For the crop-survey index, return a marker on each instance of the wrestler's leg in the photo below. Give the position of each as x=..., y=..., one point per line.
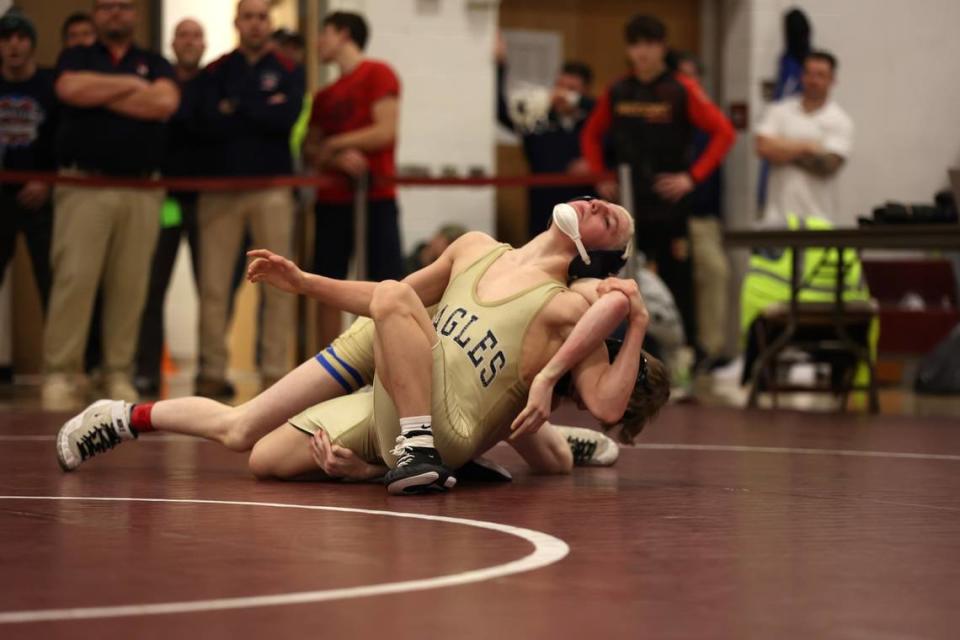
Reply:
x=546, y=451
x=238, y=428
x=343, y=367
x=556, y=449
x=284, y=454
x=402, y=347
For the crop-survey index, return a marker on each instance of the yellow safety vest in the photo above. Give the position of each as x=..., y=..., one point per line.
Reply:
x=768, y=282
x=768, y=279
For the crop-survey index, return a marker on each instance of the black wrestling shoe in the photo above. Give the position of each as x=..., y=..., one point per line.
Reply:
x=482, y=469
x=419, y=470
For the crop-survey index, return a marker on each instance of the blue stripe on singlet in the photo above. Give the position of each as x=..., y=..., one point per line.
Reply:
x=353, y=372
x=333, y=372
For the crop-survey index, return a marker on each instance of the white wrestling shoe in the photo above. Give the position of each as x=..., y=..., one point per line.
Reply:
x=98, y=428
x=590, y=448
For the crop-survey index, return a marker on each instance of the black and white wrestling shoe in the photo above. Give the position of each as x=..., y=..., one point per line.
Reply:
x=97, y=429
x=419, y=468
x=590, y=448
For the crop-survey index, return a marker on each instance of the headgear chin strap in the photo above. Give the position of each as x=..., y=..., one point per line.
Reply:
x=565, y=217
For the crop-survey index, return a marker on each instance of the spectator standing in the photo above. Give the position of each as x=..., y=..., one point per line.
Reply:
x=797, y=34
x=711, y=269
x=179, y=218
x=78, y=31
x=806, y=139
x=289, y=44
x=251, y=99
x=650, y=115
x=551, y=140
x=353, y=131
x=28, y=117
x=116, y=98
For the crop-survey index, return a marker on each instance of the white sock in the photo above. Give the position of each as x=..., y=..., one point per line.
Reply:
x=417, y=431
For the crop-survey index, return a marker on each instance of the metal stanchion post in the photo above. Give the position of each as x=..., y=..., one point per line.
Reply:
x=360, y=188
x=626, y=199
x=361, y=185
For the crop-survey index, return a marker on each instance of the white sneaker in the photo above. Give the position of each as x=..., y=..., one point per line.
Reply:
x=120, y=387
x=590, y=447
x=98, y=428
x=60, y=393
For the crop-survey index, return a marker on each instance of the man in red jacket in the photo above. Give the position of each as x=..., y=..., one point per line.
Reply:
x=650, y=116
x=353, y=132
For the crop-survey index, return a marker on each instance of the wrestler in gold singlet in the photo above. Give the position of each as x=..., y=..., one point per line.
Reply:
x=477, y=385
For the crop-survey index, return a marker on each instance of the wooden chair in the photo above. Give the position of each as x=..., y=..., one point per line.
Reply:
x=828, y=332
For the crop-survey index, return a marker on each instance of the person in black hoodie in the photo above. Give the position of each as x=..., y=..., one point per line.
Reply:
x=28, y=116
x=551, y=143
x=649, y=117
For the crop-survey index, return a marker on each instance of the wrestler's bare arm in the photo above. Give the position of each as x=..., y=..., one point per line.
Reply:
x=604, y=387
x=355, y=296
x=585, y=338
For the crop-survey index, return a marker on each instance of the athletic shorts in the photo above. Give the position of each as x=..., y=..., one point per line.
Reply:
x=367, y=422
x=349, y=359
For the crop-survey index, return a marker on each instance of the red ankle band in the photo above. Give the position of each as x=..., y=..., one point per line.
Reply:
x=140, y=417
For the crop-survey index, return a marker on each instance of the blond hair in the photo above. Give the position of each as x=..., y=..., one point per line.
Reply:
x=631, y=225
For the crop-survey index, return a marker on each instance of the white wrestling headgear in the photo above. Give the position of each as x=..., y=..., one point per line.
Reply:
x=565, y=217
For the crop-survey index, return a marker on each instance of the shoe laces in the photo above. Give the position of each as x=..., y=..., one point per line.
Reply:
x=102, y=437
x=402, y=451
x=582, y=449
x=409, y=446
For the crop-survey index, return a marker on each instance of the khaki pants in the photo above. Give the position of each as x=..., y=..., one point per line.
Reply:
x=222, y=219
x=99, y=235
x=711, y=275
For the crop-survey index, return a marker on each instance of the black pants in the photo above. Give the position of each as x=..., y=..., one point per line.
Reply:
x=150, y=346
x=662, y=236
x=334, y=240
x=37, y=228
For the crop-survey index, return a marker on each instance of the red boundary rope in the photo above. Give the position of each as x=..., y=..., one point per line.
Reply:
x=265, y=182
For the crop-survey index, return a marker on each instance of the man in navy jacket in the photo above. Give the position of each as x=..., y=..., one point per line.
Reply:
x=251, y=98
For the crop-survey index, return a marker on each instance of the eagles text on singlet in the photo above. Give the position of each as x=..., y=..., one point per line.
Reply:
x=458, y=325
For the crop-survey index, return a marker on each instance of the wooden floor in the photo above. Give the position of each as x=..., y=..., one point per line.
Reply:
x=724, y=523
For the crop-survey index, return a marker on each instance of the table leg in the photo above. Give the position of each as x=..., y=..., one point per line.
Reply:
x=768, y=356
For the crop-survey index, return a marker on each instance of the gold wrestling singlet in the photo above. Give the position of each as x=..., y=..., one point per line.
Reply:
x=477, y=385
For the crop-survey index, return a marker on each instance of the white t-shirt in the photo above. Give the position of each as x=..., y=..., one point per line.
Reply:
x=790, y=188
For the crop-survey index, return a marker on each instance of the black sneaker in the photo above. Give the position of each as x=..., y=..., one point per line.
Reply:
x=419, y=470
x=482, y=469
